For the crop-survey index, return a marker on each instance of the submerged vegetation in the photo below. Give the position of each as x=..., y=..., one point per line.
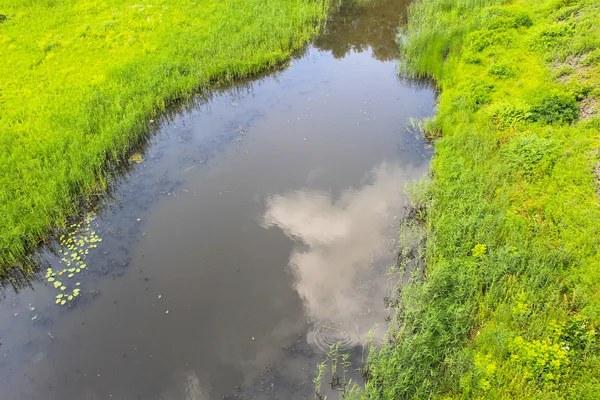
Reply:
x=507, y=305
x=81, y=80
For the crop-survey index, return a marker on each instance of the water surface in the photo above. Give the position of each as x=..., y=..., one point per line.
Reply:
x=256, y=232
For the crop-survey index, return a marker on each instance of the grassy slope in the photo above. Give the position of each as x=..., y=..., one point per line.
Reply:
x=81, y=78
x=511, y=300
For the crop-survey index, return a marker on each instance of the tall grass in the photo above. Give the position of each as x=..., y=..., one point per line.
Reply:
x=81, y=78
x=509, y=304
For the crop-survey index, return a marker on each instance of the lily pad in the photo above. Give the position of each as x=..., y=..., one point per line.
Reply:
x=136, y=158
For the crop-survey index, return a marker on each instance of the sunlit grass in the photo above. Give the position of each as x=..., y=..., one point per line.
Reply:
x=80, y=80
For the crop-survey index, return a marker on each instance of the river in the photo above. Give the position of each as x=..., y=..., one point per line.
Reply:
x=252, y=231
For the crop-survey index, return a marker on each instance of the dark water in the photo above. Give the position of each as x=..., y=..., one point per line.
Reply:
x=256, y=232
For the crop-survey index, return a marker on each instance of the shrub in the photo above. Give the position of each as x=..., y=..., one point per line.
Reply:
x=558, y=107
x=523, y=20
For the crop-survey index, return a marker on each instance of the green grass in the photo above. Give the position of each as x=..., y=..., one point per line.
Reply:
x=81, y=78
x=510, y=301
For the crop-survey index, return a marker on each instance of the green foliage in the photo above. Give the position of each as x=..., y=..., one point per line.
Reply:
x=552, y=36
x=592, y=58
x=339, y=363
x=503, y=18
x=440, y=34
x=522, y=19
x=485, y=38
x=479, y=250
x=80, y=80
x=542, y=360
x=509, y=115
x=501, y=71
x=507, y=304
x=532, y=155
x=577, y=333
x=557, y=107
x=481, y=93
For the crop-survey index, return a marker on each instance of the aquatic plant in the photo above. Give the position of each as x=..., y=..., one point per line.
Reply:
x=74, y=246
x=336, y=366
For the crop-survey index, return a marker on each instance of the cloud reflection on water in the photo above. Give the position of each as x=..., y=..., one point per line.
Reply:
x=344, y=245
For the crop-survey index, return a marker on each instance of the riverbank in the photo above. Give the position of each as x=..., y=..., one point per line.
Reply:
x=509, y=305
x=82, y=80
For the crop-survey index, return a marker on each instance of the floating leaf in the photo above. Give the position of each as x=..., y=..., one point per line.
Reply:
x=60, y=295
x=57, y=301
x=63, y=302
x=78, y=283
x=166, y=312
x=63, y=287
x=77, y=270
x=50, y=279
x=70, y=298
x=70, y=275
